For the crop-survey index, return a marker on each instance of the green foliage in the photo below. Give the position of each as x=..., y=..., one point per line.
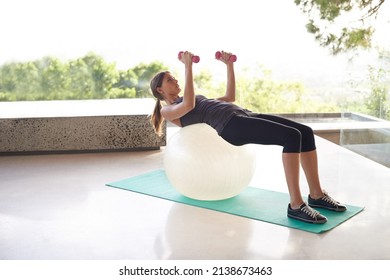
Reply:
x=145, y=73
x=204, y=79
x=103, y=75
x=267, y=95
x=341, y=37
x=259, y=92
x=378, y=101
x=80, y=83
x=88, y=77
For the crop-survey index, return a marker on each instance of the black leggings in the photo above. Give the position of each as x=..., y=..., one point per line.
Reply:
x=269, y=130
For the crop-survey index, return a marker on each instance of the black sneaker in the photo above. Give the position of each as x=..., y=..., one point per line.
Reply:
x=327, y=202
x=306, y=214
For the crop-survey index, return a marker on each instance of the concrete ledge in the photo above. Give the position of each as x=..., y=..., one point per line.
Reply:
x=77, y=126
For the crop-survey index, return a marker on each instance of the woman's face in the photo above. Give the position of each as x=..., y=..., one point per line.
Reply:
x=169, y=86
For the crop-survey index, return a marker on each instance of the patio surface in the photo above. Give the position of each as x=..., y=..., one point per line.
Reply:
x=58, y=207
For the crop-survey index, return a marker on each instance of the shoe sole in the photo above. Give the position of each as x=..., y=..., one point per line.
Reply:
x=328, y=208
x=307, y=221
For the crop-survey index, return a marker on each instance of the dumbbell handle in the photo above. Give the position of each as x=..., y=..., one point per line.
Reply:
x=232, y=58
x=195, y=58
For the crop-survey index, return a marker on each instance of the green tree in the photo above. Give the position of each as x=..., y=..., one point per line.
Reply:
x=145, y=73
x=204, y=84
x=324, y=22
x=121, y=93
x=103, y=75
x=8, y=81
x=203, y=80
x=88, y=77
x=28, y=76
x=270, y=96
x=53, y=76
x=127, y=79
x=126, y=85
x=378, y=101
x=8, y=77
x=80, y=84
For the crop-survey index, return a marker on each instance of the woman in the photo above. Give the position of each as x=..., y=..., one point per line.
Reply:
x=239, y=126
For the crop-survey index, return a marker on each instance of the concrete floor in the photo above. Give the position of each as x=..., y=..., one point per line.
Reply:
x=58, y=207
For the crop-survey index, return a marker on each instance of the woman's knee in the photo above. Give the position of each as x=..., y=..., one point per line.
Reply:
x=308, y=140
x=292, y=141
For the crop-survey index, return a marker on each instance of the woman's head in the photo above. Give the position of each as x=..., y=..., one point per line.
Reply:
x=156, y=83
x=164, y=86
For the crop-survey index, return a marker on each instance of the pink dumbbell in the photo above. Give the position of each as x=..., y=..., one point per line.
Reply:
x=195, y=58
x=232, y=58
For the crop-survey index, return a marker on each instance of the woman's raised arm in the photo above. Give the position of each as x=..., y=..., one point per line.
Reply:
x=230, y=95
x=173, y=112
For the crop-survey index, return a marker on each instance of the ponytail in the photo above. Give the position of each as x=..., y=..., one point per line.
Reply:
x=156, y=117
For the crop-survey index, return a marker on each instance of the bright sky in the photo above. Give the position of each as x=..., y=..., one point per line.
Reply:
x=271, y=32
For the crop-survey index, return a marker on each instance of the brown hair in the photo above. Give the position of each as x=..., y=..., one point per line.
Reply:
x=156, y=117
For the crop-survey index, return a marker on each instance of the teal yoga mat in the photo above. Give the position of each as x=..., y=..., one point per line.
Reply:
x=254, y=203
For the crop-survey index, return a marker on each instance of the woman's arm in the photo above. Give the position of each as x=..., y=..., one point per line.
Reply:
x=173, y=112
x=230, y=95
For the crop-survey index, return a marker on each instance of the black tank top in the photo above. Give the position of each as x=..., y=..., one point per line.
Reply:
x=215, y=113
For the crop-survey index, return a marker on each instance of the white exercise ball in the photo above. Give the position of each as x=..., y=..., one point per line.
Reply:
x=201, y=165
